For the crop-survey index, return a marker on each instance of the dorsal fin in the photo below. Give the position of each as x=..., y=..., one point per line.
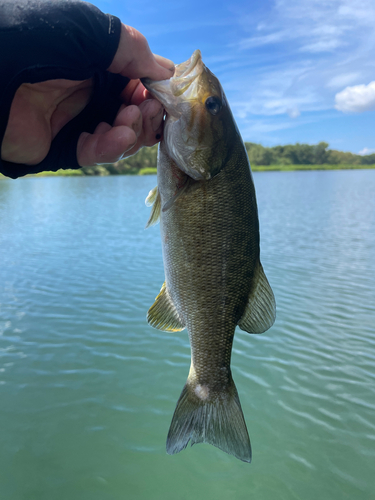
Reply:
x=153, y=200
x=163, y=314
x=260, y=312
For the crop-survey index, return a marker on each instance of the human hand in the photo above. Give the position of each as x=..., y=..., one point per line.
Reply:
x=39, y=111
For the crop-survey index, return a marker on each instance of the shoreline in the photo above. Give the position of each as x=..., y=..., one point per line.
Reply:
x=254, y=168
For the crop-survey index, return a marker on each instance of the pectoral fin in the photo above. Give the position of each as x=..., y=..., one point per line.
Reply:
x=260, y=312
x=163, y=314
x=175, y=197
x=153, y=200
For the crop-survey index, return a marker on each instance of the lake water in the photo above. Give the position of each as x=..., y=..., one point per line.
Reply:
x=88, y=389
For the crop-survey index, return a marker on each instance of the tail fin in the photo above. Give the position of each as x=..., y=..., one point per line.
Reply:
x=215, y=418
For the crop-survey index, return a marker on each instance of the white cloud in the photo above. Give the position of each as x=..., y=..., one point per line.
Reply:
x=356, y=99
x=310, y=49
x=294, y=112
x=342, y=80
x=267, y=130
x=271, y=38
x=367, y=151
x=285, y=63
x=324, y=45
x=312, y=26
x=274, y=92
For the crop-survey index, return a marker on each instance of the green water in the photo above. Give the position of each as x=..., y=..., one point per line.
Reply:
x=88, y=389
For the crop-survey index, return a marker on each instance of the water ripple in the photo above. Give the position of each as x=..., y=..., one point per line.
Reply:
x=85, y=380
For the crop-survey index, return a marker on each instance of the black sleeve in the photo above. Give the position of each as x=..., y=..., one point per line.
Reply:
x=43, y=40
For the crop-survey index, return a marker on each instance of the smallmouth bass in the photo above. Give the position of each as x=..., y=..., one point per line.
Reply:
x=214, y=281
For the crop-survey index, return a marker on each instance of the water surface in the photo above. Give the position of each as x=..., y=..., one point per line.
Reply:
x=88, y=389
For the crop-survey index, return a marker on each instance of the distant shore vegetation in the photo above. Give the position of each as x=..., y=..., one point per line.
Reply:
x=288, y=157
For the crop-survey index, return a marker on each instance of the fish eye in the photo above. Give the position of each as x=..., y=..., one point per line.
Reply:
x=213, y=104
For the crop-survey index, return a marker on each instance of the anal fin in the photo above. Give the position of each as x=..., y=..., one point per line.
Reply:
x=260, y=312
x=163, y=314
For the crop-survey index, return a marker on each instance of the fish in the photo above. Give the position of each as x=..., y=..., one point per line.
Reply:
x=206, y=204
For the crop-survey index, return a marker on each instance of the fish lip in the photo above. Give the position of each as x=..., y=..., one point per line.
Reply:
x=147, y=82
x=183, y=69
x=170, y=92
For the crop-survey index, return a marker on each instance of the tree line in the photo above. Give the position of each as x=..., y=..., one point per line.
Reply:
x=303, y=154
x=290, y=154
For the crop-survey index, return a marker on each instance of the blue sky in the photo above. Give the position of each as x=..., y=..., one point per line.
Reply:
x=293, y=70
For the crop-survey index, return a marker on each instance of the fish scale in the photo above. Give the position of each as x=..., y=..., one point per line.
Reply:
x=214, y=280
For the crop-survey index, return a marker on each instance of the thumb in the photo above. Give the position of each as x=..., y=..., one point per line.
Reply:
x=134, y=58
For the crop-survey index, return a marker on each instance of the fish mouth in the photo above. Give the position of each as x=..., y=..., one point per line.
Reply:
x=186, y=73
x=178, y=88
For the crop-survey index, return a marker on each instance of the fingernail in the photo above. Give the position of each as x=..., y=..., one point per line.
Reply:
x=131, y=146
x=166, y=63
x=137, y=125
